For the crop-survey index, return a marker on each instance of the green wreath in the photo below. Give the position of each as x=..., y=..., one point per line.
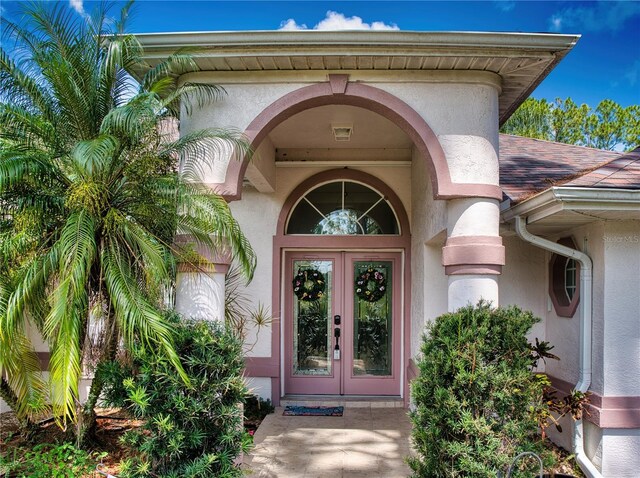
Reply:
x=309, y=285
x=371, y=285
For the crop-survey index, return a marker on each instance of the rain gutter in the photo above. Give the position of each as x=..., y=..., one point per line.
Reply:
x=586, y=288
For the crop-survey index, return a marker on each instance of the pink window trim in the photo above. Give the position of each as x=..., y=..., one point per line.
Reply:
x=346, y=175
x=561, y=303
x=339, y=91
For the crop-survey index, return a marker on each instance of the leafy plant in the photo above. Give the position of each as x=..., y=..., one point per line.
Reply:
x=190, y=431
x=50, y=461
x=256, y=408
x=476, y=399
x=94, y=185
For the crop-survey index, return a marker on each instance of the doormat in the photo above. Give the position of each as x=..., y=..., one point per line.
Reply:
x=299, y=411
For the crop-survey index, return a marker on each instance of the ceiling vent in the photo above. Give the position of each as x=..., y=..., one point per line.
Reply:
x=342, y=132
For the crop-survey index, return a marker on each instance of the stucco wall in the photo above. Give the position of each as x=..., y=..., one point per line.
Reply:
x=428, y=232
x=524, y=281
x=621, y=243
x=464, y=117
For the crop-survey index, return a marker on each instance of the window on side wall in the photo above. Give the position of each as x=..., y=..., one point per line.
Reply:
x=564, y=282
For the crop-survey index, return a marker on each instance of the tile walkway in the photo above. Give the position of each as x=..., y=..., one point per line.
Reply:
x=364, y=442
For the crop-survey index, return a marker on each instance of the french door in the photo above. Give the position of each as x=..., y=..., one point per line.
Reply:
x=342, y=323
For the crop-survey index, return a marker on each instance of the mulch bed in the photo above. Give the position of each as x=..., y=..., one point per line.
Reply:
x=112, y=424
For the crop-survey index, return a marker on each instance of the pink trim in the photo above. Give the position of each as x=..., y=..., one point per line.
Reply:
x=338, y=84
x=261, y=367
x=407, y=318
x=474, y=240
x=471, y=269
x=473, y=255
x=412, y=370
x=345, y=174
x=370, y=98
x=607, y=412
x=561, y=303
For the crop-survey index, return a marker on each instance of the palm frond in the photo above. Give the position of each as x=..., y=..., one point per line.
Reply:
x=178, y=63
x=136, y=317
x=92, y=158
x=19, y=363
x=65, y=323
x=207, y=217
x=200, y=150
x=188, y=94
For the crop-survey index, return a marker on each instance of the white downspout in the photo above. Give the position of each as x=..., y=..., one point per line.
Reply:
x=586, y=290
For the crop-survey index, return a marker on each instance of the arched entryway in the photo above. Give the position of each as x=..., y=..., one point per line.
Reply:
x=342, y=249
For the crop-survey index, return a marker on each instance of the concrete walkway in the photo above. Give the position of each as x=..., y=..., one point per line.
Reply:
x=364, y=442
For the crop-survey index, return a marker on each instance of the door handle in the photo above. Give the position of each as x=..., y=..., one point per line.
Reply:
x=336, y=332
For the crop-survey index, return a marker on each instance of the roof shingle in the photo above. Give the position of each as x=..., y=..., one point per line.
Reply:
x=528, y=166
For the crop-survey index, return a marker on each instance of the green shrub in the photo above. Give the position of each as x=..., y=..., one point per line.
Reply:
x=477, y=400
x=188, y=431
x=256, y=408
x=49, y=461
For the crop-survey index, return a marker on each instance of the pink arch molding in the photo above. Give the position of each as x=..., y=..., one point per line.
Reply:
x=339, y=91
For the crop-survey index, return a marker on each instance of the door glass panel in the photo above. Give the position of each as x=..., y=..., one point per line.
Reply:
x=372, y=318
x=312, y=317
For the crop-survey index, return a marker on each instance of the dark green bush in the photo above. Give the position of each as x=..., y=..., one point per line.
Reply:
x=189, y=431
x=256, y=408
x=49, y=461
x=477, y=400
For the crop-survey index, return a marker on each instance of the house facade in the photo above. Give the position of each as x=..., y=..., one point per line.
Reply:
x=380, y=195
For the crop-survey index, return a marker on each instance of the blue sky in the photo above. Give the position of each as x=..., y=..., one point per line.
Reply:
x=604, y=64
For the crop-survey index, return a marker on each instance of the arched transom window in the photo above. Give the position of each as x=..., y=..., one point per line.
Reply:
x=343, y=208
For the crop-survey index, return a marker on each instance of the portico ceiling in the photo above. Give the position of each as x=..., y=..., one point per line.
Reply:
x=522, y=60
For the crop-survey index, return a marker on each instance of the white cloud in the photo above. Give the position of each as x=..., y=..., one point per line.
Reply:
x=78, y=6
x=337, y=21
x=505, y=5
x=599, y=16
x=291, y=24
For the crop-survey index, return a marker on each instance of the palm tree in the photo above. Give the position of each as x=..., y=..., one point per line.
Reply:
x=93, y=189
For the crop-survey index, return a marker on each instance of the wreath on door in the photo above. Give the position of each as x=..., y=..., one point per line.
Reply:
x=309, y=285
x=371, y=285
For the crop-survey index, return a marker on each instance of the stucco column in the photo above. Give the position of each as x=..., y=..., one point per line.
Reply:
x=473, y=254
x=200, y=285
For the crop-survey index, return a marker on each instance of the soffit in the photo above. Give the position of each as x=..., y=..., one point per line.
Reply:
x=311, y=129
x=522, y=60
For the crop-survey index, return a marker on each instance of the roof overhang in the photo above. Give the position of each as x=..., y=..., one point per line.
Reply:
x=522, y=60
x=560, y=208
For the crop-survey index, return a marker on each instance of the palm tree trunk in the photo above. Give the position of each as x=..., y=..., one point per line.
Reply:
x=26, y=425
x=87, y=418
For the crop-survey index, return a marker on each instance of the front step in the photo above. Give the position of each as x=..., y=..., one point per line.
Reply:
x=359, y=401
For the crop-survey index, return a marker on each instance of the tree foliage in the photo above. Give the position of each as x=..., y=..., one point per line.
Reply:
x=477, y=402
x=607, y=126
x=187, y=432
x=93, y=188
